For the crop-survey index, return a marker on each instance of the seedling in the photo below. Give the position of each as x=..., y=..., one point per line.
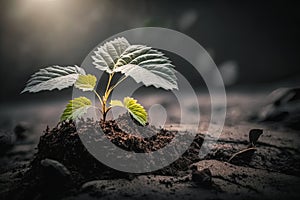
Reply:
x=142, y=63
x=246, y=154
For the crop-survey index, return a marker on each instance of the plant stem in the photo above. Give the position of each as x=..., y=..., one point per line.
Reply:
x=107, y=93
x=114, y=86
x=109, y=81
x=96, y=93
x=105, y=97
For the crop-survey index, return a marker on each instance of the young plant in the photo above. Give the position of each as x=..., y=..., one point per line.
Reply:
x=142, y=63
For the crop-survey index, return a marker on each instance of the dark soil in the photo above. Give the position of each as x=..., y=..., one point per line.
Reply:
x=242, y=164
x=63, y=144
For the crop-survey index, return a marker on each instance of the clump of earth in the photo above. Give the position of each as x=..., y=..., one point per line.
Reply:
x=61, y=153
x=249, y=160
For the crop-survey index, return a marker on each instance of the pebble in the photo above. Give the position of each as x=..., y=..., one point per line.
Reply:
x=283, y=106
x=55, y=170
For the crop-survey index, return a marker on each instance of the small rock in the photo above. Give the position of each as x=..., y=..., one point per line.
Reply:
x=202, y=177
x=53, y=179
x=53, y=169
x=283, y=105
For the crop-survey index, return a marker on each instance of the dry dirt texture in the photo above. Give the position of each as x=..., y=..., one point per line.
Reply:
x=269, y=171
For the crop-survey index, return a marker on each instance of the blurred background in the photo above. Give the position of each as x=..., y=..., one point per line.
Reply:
x=255, y=44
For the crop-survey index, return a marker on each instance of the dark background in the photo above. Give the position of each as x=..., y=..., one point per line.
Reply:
x=254, y=42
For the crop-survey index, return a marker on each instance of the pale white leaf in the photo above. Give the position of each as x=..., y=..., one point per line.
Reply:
x=54, y=77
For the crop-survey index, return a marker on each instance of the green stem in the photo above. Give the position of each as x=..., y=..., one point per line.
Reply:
x=96, y=93
x=109, y=81
x=114, y=86
x=107, y=93
x=105, y=97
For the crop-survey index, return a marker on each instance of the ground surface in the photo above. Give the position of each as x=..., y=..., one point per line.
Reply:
x=271, y=171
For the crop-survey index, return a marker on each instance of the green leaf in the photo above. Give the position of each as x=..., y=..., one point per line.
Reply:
x=86, y=82
x=136, y=110
x=148, y=66
x=142, y=63
x=158, y=76
x=116, y=103
x=106, y=55
x=54, y=77
x=76, y=108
